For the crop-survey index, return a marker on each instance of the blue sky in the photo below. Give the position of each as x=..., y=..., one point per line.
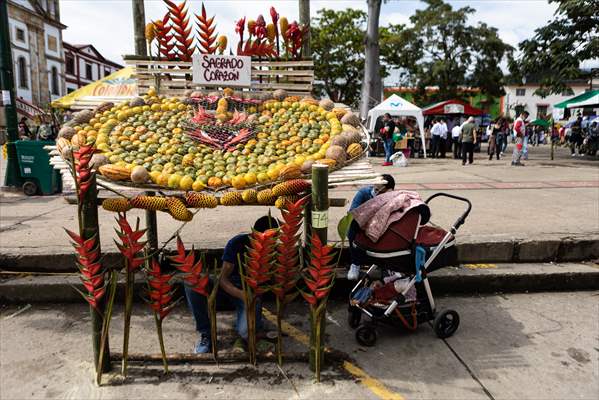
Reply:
x=107, y=24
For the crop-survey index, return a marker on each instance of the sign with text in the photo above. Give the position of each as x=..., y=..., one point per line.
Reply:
x=453, y=108
x=218, y=70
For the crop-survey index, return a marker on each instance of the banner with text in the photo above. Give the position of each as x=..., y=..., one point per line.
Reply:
x=219, y=70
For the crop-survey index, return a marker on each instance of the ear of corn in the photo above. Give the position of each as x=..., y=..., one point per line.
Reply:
x=250, y=196
x=178, y=210
x=293, y=186
x=154, y=203
x=118, y=204
x=200, y=200
x=231, y=199
x=266, y=197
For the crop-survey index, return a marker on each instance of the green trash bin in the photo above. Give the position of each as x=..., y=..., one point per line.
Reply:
x=36, y=171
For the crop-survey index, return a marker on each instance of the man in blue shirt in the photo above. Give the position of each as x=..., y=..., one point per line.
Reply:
x=362, y=196
x=230, y=283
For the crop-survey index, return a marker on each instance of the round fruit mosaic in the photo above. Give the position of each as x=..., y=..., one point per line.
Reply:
x=182, y=144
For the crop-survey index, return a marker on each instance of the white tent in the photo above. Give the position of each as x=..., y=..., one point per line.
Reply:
x=396, y=106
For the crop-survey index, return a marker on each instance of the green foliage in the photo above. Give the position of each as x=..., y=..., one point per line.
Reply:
x=441, y=49
x=556, y=50
x=337, y=39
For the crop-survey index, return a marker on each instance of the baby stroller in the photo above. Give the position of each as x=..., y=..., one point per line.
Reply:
x=395, y=289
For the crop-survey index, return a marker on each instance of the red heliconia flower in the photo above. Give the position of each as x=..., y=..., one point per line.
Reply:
x=286, y=271
x=83, y=172
x=274, y=15
x=165, y=45
x=180, y=25
x=260, y=27
x=259, y=258
x=90, y=268
x=206, y=28
x=187, y=264
x=239, y=27
x=294, y=35
x=320, y=272
x=130, y=246
x=160, y=290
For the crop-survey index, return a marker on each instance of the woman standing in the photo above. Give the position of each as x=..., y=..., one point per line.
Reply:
x=495, y=142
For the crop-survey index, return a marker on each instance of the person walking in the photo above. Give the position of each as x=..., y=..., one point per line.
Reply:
x=520, y=133
x=455, y=140
x=494, y=141
x=387, y=138
x=443, y=138
x=435, y=137
x=468, y=139
x=576, y=137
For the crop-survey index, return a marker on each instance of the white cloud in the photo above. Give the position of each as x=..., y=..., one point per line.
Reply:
x=107, y=24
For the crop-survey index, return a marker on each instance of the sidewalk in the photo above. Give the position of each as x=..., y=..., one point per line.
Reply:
x=544, y=211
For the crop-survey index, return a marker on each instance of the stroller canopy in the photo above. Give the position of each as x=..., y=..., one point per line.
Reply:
x=397, y=107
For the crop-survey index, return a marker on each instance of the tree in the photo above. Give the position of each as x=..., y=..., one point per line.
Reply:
x=372, y=85
x=442, y=50
x=337, y=43
x=556, y=50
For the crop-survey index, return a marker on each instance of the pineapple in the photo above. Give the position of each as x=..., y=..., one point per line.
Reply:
x=200, y=200
x=231, y=199
x=118, y=204
x=178, y=210
x=293, y=186
x=265, y=197
x=154, y=203
x=250, y=196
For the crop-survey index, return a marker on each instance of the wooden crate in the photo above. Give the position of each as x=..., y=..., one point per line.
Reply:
x=173, y=78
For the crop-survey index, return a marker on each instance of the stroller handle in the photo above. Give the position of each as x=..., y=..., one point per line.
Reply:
x=462, y=218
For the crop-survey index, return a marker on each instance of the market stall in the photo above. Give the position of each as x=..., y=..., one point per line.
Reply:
x=587, y=99
x=397, y=107
x=452, y=107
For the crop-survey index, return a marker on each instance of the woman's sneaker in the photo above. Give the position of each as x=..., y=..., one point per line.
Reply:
x=353, y=273
x=203, y=345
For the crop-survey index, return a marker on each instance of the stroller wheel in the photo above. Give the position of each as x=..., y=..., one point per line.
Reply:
x=446, y=323
x=354, y=315
x=366, y=335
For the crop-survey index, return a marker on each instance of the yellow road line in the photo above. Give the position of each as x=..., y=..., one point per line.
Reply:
x=372, y=384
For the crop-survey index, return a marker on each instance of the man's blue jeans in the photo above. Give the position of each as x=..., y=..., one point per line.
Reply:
x=388, y=146
x=199, y=308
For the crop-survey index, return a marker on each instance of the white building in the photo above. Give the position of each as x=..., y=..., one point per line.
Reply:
x=521, y=97
x=84, y=64
x=37, y=53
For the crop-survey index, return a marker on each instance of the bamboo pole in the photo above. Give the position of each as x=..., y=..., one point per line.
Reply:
x=88, y=227
x=152, y=227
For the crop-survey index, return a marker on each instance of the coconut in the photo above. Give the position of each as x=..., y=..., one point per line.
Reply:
x=307, y=166
x=279, y=94
x=136, y=102
x=139, y=174
x=352, y=137
x=351, y=119
x=327, y=104
x=98, y=160
x=66, y=132
x=340, y=141
x=83, y=116
x=336, y=153
x=104, y=106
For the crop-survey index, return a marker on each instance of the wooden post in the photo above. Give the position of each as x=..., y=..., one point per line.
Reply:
x=152, y=227
x=139, y=27
x=88, y=223
x=304, y=17
x=319, y=223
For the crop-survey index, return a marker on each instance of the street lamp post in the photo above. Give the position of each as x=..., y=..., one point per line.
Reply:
x=12, y=177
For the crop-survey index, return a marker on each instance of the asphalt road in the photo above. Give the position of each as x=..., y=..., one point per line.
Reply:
x=521, y=346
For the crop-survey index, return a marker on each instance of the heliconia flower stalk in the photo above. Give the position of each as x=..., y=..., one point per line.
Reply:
x=274, y=15
x=131, y=249
x=180, y=25
x=164, y=38
x=106, y=322
x=286, y=270
x=198, y=281
x=255, y=275
x=90, y=268
x=160, y=298
x=207, y=36
x=319, y=276
x=83, y=171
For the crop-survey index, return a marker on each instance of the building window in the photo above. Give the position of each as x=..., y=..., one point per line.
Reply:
x=70, y=64
x=106, y=72
x=70, y=90
x=520, y=92
x=22, y=68
x=88, y=72
x=20, y=35
x=54, y=82
x=52, y=43
x=541, y=111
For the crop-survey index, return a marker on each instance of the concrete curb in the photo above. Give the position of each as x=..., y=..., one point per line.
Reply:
x=564, y=249
x=515, y=278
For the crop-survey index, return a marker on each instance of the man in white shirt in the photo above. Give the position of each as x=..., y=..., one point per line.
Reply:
x=435, y=137
x=443, y=138
x=455, y=139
